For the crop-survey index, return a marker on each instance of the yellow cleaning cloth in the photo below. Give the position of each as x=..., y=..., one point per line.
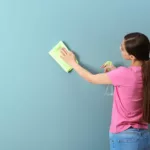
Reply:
x=55, y=53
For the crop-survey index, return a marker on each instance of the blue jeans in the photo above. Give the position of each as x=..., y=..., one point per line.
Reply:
x=130, y=139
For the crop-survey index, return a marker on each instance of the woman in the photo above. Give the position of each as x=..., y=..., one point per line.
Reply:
x=131, y=104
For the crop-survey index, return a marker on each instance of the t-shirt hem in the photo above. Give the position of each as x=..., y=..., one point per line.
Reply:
x=125, y=128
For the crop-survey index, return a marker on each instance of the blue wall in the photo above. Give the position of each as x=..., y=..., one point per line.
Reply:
x=41, y=106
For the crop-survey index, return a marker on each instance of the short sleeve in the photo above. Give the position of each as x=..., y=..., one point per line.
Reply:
x=119, y=76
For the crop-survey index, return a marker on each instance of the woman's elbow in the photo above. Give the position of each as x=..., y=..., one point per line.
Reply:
x=92, y=79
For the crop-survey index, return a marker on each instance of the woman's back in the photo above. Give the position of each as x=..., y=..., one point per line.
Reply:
x=127, y=108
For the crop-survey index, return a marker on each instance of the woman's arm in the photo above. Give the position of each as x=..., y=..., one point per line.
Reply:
x=69, y=58
x=92, y=78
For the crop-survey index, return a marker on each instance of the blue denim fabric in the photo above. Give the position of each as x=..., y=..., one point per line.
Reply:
x=130, y=139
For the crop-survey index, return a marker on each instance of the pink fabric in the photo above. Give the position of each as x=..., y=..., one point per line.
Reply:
x=127, y=103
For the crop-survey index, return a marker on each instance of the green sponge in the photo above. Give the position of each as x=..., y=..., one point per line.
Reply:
x=55, y=54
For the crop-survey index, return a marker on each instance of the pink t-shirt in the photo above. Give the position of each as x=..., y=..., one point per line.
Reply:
x=127, y=103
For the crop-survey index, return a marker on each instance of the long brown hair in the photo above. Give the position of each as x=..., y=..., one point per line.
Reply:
x=138, y=45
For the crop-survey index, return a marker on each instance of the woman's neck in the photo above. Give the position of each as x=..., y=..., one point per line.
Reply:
x=136, y=63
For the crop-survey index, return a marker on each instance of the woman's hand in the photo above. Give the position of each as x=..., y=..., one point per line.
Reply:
x=108, y=68
x=68, y=57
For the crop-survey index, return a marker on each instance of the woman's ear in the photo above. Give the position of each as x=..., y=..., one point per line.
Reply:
x=132, y=57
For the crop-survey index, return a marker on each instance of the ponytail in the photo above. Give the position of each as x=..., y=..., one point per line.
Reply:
x=146, y=91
